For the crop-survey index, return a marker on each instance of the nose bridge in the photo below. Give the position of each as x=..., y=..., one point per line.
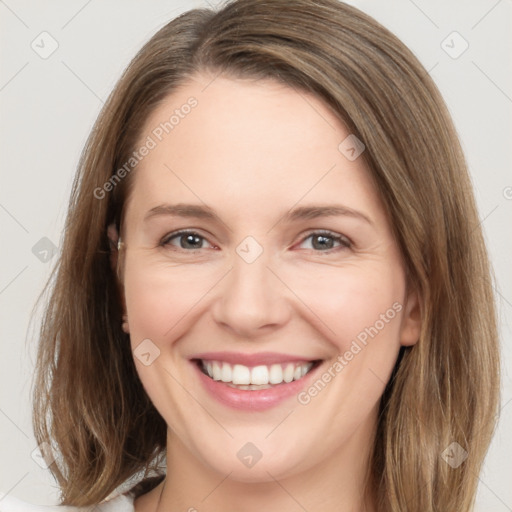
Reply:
x=251, y=297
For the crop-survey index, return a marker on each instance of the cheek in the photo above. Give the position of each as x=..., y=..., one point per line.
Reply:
x=159, y=297
x=354, y=302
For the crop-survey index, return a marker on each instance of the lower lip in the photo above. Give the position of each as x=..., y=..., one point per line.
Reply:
x=252, y=400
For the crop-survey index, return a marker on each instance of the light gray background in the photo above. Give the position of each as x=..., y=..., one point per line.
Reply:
x=48, y=107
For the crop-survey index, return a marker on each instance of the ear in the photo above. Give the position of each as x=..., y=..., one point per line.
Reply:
x=113, y=237
x=116, y=256
x=116, y=263
x=411, y=320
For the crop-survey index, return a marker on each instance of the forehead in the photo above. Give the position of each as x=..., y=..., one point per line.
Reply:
x=257, y=142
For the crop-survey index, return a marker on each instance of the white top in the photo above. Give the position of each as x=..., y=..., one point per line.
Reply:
x=120, y=503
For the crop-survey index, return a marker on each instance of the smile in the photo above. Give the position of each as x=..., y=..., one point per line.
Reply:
x=253, y=382
x=256, y=377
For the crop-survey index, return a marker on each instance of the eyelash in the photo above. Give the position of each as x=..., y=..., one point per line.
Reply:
x=345, y=243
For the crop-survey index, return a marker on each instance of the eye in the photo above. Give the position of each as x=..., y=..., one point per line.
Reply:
x=186, y=240
x=321, y=241
x=324, y=241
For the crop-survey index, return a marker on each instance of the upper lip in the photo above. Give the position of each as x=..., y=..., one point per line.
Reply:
x=256, y=359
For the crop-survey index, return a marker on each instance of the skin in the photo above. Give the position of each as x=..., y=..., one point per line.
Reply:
x=252, y=151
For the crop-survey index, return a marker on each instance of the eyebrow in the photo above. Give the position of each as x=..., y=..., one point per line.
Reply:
x=313, y=212
x=182, y=210
x=296, y=214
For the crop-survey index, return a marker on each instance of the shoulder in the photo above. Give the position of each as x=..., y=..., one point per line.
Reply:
x=120, y=503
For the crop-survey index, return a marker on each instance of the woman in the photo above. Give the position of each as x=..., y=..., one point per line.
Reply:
x=271, y=280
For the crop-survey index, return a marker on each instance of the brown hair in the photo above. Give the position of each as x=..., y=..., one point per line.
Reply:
x=88, y=400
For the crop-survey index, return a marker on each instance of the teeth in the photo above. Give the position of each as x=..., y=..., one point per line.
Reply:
x=226, y=373
x=276, y=374
x=241, y=374
x=288, y=373
x=257, y=377
x=216, y=371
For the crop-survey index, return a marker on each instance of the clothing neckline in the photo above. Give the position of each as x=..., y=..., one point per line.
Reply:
x=126, y=500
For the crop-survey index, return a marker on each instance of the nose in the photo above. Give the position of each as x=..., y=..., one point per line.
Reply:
x=251, y=300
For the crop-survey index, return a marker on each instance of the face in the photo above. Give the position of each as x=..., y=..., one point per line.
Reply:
x=265, y=294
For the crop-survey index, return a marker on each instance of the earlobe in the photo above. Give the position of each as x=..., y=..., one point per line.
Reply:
x=125, y=326
x=411, y=320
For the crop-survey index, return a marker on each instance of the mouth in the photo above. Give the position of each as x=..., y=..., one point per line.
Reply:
x=254, y=378
x=253, y=382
